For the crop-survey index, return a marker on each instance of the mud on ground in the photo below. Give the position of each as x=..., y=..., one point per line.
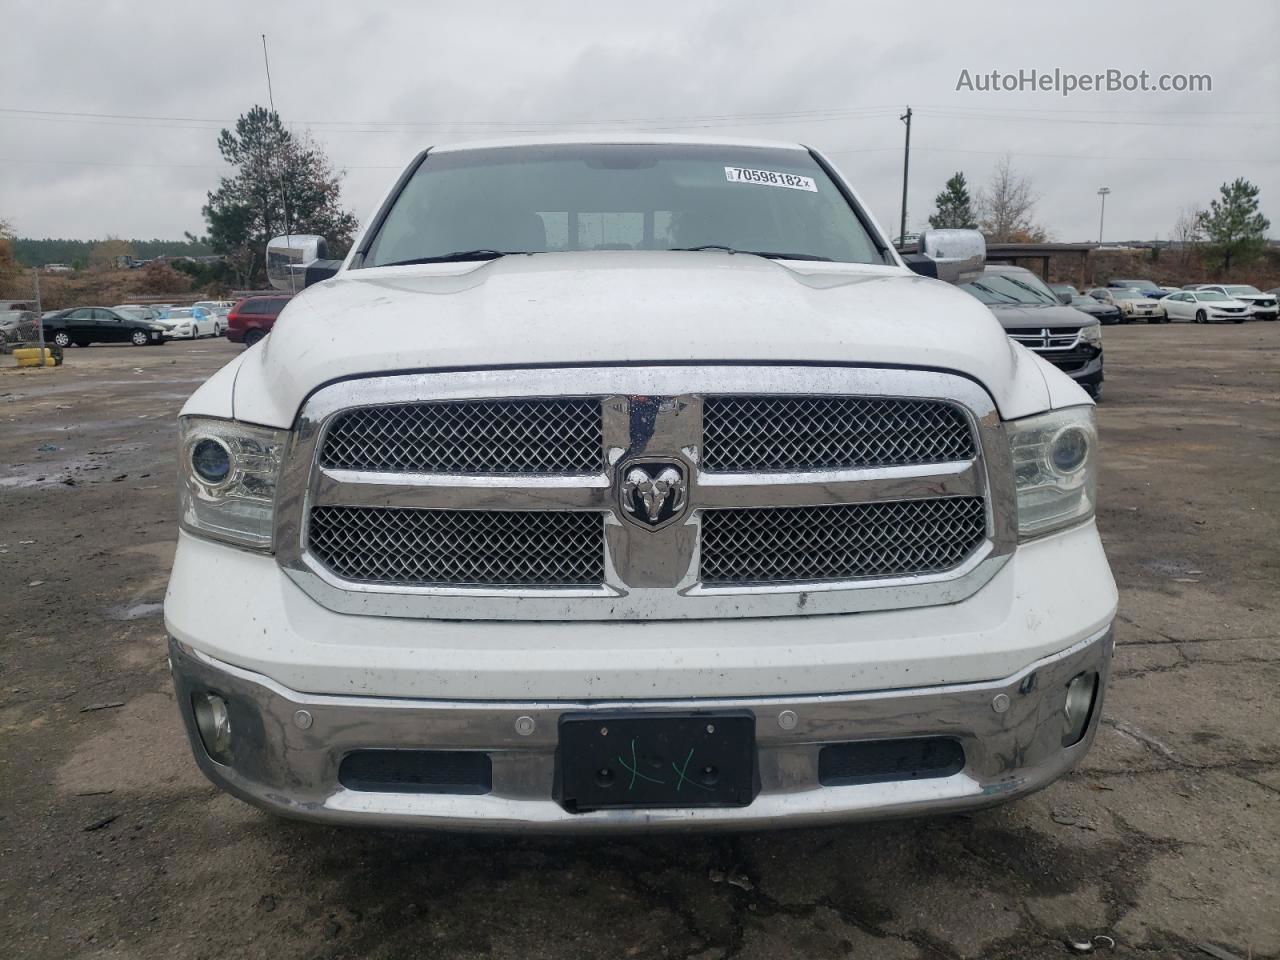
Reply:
x=112, y=845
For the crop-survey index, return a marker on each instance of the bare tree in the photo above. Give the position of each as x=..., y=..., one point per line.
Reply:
x=1006, y=206
x=1186, y=236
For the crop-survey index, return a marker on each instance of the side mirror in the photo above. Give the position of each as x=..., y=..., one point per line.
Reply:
x=955, y=256
x=1064, y=299
x=292, y=261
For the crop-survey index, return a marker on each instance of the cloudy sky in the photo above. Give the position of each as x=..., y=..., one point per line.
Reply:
x=109, y=115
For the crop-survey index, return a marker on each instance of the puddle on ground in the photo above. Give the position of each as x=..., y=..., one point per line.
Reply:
x=135, y=611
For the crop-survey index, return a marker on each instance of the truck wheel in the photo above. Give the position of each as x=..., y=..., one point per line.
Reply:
x=252, y=336
x=62, y=339
x=1200, y=317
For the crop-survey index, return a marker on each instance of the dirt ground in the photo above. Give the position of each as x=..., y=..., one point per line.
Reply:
x=112, y=845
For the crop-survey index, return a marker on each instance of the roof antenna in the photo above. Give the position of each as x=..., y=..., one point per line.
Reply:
x=284, y=197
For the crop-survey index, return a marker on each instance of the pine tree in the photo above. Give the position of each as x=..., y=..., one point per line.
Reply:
x=1235, y=226
x=273, y=166
x=955, y=207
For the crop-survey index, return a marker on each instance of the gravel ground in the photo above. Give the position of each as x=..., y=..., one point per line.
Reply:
x=113, y=845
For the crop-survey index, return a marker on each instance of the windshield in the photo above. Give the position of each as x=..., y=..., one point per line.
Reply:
x=620, y=197
x=1081, y=301
x=1242, y=288
x=1128, y=294
x=1210, y=295
x=1139, y=284
x=178, y=314
x=996, y=288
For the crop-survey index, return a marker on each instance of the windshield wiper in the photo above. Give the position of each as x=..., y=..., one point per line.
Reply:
x=1039, y=294
x=458, y=256
x=768, y=254
x=999, y=293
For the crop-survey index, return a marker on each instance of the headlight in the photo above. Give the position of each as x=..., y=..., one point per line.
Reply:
x=227, y=485
x=1092, y=334
x=1054, y=469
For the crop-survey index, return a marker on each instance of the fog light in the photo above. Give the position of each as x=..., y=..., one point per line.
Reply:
x=1081, y=692
x=214, y=724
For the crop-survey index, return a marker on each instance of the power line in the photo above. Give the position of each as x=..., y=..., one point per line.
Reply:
x=1014, y=114
x=694, y=120
x=178, y=166
x=961, y=114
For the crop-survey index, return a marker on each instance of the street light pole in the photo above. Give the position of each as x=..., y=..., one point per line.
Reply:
x=1102, y=192
x=906, y=161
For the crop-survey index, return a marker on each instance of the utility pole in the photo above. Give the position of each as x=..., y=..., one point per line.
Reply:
x=1102, y=192
x=906, y=160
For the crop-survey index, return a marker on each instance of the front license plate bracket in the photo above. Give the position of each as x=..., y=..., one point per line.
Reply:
x=637, y=760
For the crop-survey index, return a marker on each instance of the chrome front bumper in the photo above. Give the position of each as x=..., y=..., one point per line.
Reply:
x=287, y=747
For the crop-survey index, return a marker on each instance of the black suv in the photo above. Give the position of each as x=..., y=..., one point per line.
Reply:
x=1032, y=315
x=85, y=325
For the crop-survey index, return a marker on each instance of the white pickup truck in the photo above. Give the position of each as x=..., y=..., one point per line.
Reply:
x=636, y=483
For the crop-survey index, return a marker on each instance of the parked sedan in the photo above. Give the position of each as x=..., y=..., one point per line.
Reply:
x=138, y=311
x=1105, y=312
x=188, y=323
x=1132, y=304
x=85, y=325
x=18, y=326
x=1262, y=306
x=1149, y=288
x=1205, y=306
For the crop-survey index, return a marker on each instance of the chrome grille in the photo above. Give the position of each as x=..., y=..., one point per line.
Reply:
x=843, y=542
x=1047, y=338
x=559, y=436
x=745, y=433
x=413, y=547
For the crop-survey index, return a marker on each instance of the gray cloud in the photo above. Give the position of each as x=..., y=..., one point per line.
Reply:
x=474, y=71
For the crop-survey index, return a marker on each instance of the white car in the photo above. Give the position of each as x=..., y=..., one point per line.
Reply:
x=189, y=323
x=657, y=492
x=1133, y=304
x=1262, y=306
x=220, y=310
x=1205, y=306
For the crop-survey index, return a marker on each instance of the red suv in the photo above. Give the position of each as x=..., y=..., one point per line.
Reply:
x=252, y=318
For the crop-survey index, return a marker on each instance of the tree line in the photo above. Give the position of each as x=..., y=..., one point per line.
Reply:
x=1231, y=232
x=30, y=252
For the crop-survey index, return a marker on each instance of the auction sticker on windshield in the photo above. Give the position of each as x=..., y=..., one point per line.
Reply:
x=770, y=178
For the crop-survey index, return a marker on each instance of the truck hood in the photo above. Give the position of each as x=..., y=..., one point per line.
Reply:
x=582, y=309
x=1033, y=317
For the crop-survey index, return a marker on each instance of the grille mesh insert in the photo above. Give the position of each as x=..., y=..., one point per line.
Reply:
x=844, y=542
x=557, y=436
x=746, y=433
x=404, y=546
